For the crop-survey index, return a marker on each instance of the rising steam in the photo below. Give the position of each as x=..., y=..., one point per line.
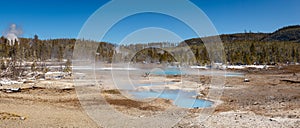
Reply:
x=12, y=34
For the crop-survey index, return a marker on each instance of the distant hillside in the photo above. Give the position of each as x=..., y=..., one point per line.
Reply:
x=289, y=33
x=242, y=37
x=286, y=34
x=228, y=38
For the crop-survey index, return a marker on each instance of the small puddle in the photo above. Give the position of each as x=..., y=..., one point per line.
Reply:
x=234, y=74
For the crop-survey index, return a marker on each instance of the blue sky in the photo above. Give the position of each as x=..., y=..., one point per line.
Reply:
x=51, y=19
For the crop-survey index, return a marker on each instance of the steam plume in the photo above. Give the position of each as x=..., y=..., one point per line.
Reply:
x=12, y=34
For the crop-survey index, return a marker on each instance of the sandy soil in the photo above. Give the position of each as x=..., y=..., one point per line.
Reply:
x=270, y=99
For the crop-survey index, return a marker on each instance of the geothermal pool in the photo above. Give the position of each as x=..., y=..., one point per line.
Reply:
x=180, y=98
x=128, y=79
x=177, y=71
x=184, y=99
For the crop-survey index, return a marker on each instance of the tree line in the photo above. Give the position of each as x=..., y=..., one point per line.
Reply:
x=236, y=52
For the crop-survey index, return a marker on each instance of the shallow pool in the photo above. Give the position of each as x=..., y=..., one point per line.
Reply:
x=168, y=71
x=180, y=98
x=178, y=71
x=152, y=84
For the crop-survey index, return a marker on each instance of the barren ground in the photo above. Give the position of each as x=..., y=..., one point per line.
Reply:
x=270, y=99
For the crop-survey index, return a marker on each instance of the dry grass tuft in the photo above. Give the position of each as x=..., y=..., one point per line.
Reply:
x=112, y=91
x=133, y=104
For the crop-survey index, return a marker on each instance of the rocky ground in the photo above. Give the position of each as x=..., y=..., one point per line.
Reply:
x=271, y=98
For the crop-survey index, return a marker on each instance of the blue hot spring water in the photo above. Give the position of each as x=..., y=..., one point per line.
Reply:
x=169, y=71
x=177, y=71
x=182, y=99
